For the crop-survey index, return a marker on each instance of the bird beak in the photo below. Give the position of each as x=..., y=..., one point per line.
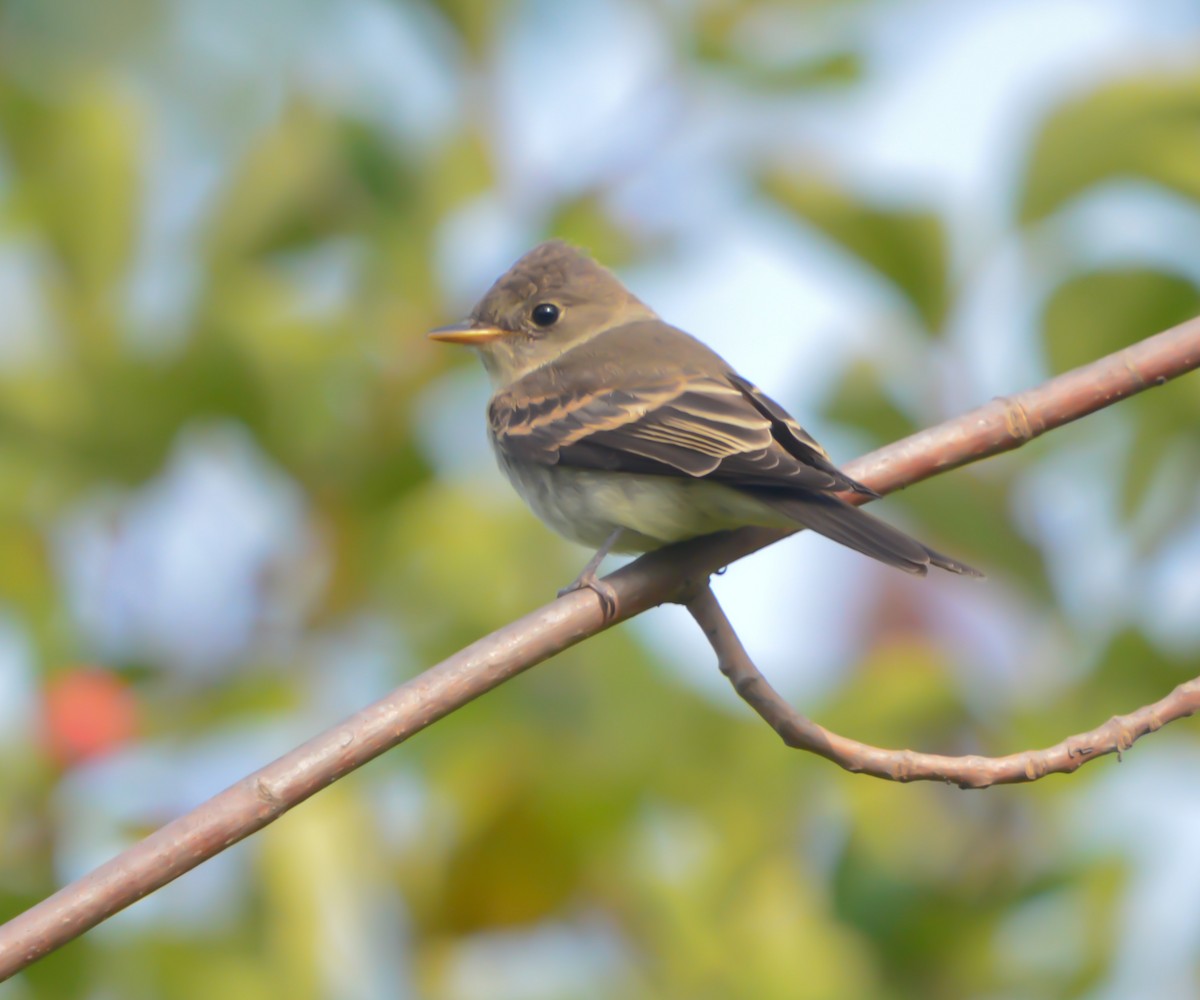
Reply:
x=469, y=332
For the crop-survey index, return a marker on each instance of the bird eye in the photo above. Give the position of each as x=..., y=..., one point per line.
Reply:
x=545, y=314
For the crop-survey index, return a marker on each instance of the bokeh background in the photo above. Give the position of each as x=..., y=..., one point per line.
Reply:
x=241, y=495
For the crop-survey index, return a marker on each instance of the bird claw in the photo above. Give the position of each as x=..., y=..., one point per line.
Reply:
x=589, y=581
x=601, y=588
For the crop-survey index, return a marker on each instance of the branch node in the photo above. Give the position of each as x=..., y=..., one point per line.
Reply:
x=1019, y=424
x=264, y=793
x=688, y=590
x=1135, y=373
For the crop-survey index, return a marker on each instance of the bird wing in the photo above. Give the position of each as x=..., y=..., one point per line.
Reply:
x=699, y=421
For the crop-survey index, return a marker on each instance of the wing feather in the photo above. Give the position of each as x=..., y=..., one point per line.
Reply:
x=696, y=427
x=679, y=411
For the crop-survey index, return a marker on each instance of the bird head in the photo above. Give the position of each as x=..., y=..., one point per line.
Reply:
x=552, y=299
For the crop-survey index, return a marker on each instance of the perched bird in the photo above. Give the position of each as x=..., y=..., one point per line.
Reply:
x=626, y=434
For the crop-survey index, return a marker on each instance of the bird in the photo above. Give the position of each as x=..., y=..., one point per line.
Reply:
x=625, y=434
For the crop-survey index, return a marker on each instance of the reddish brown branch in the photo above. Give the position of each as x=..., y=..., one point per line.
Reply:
x=659, y=577
x=1011, y=421
x=801, y=733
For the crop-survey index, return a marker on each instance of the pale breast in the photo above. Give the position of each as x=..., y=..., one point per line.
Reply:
x=587, y=505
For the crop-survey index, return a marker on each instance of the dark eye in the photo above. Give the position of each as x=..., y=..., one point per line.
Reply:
x=545, y=314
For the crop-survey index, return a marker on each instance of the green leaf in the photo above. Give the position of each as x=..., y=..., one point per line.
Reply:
x=906, y=246
x=832, y=69
x=725, y=38
x=861, y=401
x=77, y=184
x=477, y=24
x=1148, y=128
x=1099, y=312
x=1164, y=442
x=463, y=170
x=585, y=222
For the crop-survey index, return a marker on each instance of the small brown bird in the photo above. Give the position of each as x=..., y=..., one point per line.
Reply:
x=625, y=434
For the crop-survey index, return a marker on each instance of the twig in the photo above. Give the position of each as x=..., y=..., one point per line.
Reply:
x=656, y=578
x=801, y=733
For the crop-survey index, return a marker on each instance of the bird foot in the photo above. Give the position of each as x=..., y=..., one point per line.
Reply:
x=587, y=580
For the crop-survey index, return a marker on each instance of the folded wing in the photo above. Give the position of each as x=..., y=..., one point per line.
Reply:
x=714, y=427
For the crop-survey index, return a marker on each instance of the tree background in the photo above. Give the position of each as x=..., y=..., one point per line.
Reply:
x=241, y=495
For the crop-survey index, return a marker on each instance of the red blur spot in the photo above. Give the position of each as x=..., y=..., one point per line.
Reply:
x=87, y=713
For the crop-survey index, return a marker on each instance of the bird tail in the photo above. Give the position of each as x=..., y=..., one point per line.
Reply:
x=856, y=529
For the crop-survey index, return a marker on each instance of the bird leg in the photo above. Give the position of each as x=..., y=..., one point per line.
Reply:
x=588, y=580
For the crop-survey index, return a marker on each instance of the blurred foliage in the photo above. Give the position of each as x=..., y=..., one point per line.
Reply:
x=1100, y=312
x=1132, y=129
x=599, y=814
x=905, y=246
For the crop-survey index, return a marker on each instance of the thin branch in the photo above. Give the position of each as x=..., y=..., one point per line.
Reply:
x=656, y=578
x=973, y=771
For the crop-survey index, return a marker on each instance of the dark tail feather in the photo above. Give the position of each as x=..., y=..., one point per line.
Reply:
x=856, y=529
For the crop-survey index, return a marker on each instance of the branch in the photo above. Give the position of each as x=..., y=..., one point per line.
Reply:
x=801, y=733
x=666, y=575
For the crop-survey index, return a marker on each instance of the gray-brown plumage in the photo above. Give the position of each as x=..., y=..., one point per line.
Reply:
x=625, y=433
